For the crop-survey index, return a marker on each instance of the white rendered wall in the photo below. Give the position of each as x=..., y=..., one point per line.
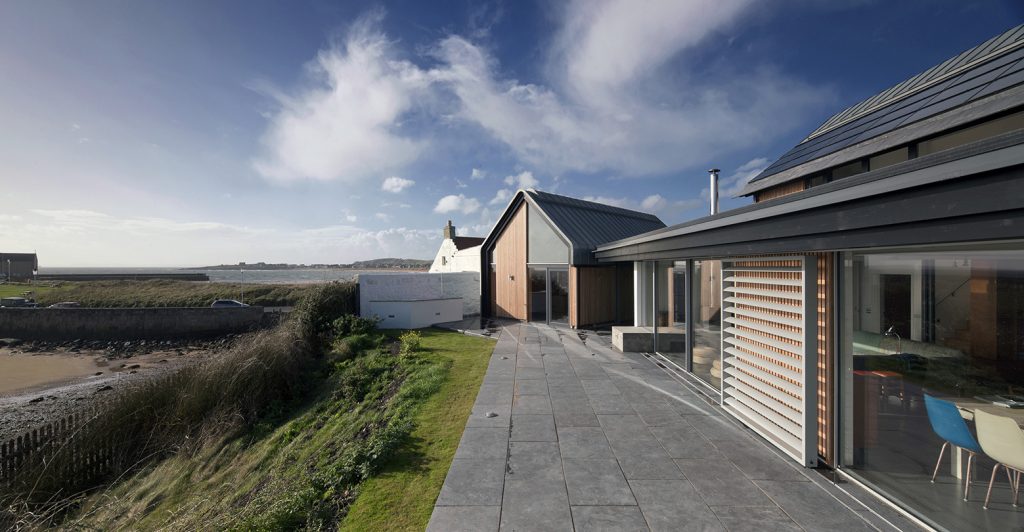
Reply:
x=449, y=259
x=413, y=286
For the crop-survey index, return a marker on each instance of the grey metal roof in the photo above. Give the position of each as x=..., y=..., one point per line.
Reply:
x=588, y=224
x=986, y=69
x=583, y=224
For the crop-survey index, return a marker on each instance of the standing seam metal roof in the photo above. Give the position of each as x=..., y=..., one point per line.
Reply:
x=990, y=67
x=584, y=223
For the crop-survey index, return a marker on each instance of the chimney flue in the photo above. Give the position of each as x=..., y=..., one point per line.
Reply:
x=449, y=231
x=714, y=190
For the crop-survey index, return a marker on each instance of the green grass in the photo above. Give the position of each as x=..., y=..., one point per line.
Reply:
x=168, y=293
x=402, y=496
x=369, y=451
x=18, y=289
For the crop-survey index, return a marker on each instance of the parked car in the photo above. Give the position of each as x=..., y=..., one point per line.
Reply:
x=17, y=302
x=66, y=304
x=226, y=303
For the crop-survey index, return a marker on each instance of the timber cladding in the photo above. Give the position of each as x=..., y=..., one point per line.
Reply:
x=596, y=295
x=509, y=285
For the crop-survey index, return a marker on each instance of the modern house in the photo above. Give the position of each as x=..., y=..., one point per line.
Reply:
x=880, y=266
x=538, y=263
x=18, y=266
x=457, y=253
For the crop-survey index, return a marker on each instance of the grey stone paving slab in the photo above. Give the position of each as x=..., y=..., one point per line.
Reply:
x=530, y=373
x=721, y=484
x=576, y=419
x=673, y=505
x=495, y=393
x=600, y=387
x=531, y=387
x=583, y=443
x=754, y=518
x=610, y=404
x=644, y=459
x=533, y=427
x=596, y=482
x=812, y=507
x=481, y=416
x=483, y=443
x=682, y=441
x=608, y=519
x=531, y=404
x=571, y=404
x=717, y=428
x=658, y=414
x=534, y=460
x=473, y=483
x=692, y=405
x=464, y=519
x=535, y=504
x=757, y=462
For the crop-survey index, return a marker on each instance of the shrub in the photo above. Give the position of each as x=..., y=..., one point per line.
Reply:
x=351, y=324
x=410, y=342
x=316, y=313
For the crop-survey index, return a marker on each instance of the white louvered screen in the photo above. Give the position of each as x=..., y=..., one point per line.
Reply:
x=769, y=349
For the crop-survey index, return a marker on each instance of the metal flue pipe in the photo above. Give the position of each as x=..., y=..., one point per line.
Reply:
x=714, y=190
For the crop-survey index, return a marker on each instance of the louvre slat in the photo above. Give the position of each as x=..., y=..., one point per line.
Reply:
x=762, y=280
x=778, y=358
x=796, y=296
x=764, y=316
x=777, y=331
x=795, y=350
x=765, y=424
x=793, y=309
x=737, y=365
x=791, y=269
x=751, y=359
x=766, y=411
x=751, y=385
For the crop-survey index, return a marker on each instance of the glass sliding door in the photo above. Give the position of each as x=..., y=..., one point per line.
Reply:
x=932, y=336
x=558, y=290
x=538, y=294
x=706, y=312
x=670, y=311
x=549, y=294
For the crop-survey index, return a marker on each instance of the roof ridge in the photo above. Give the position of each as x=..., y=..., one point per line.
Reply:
x=592, y=205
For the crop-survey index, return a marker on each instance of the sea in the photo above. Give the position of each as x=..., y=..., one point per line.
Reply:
x=317, y=275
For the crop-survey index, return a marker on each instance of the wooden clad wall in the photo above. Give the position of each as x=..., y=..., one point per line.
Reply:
x=600, y=294
x=826, y=355
x=784, y=189
x=508, y=296
x=574, y=295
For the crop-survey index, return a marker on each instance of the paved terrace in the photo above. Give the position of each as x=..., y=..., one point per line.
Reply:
x=586, y=438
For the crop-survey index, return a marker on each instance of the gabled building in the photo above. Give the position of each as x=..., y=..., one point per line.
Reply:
x=457, y=253
x=538, y=262
x=18, y=266
x=879, y=273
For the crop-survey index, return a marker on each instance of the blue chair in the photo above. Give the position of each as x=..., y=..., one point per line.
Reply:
x=949, y=425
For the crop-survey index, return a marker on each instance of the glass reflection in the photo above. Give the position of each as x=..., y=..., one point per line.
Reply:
x=707, y=321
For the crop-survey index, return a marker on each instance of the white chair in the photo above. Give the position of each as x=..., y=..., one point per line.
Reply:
x=1003, y=441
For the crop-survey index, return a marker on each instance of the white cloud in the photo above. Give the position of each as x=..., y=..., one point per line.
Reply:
x=611, y=101
x=396, y=184
x=733, y=185
x=501, y=197
x=382, y=217
x=345, y=124
x=477, y=174
x=460, y=203
x=654, y=204
x=522, y=180
x=91, y=238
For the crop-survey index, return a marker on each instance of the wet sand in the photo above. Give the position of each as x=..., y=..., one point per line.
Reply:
x=21, y=371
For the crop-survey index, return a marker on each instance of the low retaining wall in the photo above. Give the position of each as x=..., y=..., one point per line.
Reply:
x=126, y=323
x=419, y=286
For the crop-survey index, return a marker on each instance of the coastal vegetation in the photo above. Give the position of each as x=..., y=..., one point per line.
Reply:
x=162, y=293
x=321, y=423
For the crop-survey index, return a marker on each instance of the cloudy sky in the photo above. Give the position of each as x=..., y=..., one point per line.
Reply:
x=137, y=133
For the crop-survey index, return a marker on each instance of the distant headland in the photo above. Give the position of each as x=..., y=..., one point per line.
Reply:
x=373, y=264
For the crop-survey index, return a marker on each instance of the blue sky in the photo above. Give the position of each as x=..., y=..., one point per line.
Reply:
x=183, y=133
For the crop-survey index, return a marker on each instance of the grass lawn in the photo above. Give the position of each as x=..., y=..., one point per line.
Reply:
x=401, y=497
x=17, y=289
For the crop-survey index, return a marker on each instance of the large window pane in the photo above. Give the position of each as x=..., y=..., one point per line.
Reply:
x=707, y=321
x=559, y=295
x=544, y=246
x=947, y=324
x=538, y=294
x=670, y=298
